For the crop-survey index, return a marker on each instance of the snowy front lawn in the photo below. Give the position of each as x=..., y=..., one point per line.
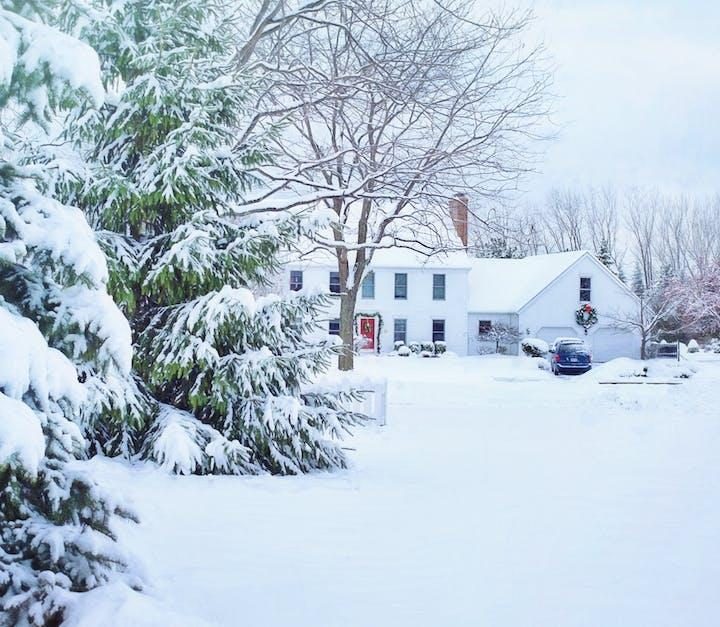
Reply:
x=496, y=495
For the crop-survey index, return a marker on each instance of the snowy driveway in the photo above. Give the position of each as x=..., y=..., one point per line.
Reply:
x=497, y=495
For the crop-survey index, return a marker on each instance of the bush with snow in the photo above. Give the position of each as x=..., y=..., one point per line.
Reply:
x=415, y=347
x=534, y=347
x=404, y=351
x=440, y=347
x=398, y=344
x=693, y=346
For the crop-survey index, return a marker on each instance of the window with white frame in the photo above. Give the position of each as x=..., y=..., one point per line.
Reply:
x=401, y=286
x=334, y=283
x=438, y=330
x=400, y=330
x=334, y=326
x=585, y=289
x=368, y=285
x=296, y=280
x=438, y=287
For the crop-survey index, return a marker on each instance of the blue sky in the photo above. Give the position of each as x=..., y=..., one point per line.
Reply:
x=638, y=86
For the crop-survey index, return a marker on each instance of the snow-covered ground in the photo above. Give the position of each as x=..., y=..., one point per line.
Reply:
x=496, y=495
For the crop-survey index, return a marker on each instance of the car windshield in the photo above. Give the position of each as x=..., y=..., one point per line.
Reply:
x=572, y=348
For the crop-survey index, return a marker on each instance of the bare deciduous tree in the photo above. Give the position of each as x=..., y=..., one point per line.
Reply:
x=395, y=107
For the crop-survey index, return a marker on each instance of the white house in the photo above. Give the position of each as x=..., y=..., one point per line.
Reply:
x=405, y=297
x=540, y=296
x=453, y=297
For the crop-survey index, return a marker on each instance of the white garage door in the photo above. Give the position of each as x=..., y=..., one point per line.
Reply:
x=550, y=333
x=608, y=343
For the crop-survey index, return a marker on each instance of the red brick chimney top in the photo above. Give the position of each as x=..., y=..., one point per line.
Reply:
x=459, y=213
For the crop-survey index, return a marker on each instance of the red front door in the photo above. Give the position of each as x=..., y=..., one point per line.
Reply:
x=367, y=332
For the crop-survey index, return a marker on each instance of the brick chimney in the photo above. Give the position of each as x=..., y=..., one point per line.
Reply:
x=459, y=213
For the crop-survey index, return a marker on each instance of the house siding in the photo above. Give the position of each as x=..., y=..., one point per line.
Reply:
x=419, y=308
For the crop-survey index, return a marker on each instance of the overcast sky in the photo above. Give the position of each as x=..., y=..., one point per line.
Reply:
x=638, y=86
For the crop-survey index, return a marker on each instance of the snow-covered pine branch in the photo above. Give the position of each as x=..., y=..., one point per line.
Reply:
x=58, y=327
x=167, y=186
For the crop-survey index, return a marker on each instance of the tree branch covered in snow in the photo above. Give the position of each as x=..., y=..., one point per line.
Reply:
x=390, y=108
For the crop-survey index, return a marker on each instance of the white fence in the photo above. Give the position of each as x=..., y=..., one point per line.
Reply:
x=374, y=401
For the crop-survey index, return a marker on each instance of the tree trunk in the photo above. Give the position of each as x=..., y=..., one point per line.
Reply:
x=346, y=359
x=643, y=346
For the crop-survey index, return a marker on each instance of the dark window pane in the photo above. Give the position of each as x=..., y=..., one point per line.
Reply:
x=484, y=326
x=438, y=287
x=335, y=282
x=368, y=285
x=400, y=330
x=296, y=280
x=585, y=291
x=334, y=326
x=438, y=330
x=400, y=285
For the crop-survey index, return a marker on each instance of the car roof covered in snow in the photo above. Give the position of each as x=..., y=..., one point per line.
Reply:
x=507, y=285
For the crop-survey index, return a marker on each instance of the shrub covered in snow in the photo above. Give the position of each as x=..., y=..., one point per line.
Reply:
x=693, y=346
x=397, y=345
x=534, y=347
x=404, y=351
x=415, y=347
x=440, y=348
x=427, y=347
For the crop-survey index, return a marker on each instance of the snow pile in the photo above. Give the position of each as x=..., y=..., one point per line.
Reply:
x=534, y=347
x=624, y=368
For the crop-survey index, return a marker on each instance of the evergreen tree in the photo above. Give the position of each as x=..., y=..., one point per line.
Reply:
x=58, y=326
x=603, y=254
x=165, y=189
x=638, y=283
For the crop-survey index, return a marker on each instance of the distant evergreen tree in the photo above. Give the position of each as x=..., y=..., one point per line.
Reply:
x=638, y=283
x=165, y=187
x=58, y=327
x=603, y=254
x=621, y=274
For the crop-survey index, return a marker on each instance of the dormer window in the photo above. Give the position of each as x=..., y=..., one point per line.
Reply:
x=585, y=289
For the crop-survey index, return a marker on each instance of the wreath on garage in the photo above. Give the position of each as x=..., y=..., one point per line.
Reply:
x=586, y=316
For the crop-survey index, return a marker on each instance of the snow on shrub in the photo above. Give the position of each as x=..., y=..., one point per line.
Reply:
x=398, y=344
x=534, y=347
x=440, y=347
x=693, y=346
x=404, y=351
x=427, y=347
x=414, y=347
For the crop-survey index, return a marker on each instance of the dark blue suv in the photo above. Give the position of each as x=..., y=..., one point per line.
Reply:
x=570, y=358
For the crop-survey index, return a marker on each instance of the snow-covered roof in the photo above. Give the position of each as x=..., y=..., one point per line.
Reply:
x=400, y=258
x=507, y=285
